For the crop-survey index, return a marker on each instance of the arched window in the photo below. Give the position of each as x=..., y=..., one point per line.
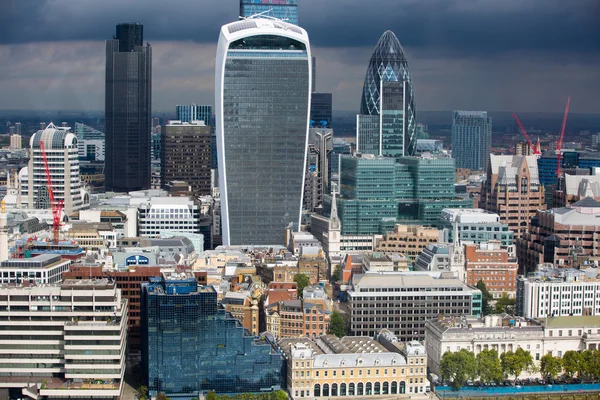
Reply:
x=369, y=388
x=334, y=389
x=359, y=389
x=342, y=389
x=351, y=389
x=402, y=387
x=317, y=390
x=377, y=388
x=386, y=388
x=326, y=389
x=394, y=387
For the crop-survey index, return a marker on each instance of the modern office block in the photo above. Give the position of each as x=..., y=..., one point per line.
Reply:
x=67, y=339
x=471, y=139
x=128, y=102
x=194, y=112
x=263, y=76
x=191, y=345
x=388, y=93
x=41, y=269
x=285, y=10
x=477, y=226
x=62, y=154
x=321, y=105
x=403, y=301
x=320, y=144
x=186, y=155
x=168, y=213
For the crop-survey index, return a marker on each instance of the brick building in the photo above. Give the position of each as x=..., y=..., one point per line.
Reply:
x=298, y=318
x=493, y=265
x=513, y=191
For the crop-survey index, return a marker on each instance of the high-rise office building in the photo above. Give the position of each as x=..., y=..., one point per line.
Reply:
x=471, y=139
x=194, y=112
x=186, y=155
x=320, y=144
x=15, y=141
x=63, y=159
x=190, y=344
x=388, y=94
x=321, y=105
x=127, y=110
x=285, y=10
x=262, y=112
x=18, y=128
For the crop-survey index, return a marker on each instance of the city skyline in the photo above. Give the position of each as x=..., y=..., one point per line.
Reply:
x=456, y=62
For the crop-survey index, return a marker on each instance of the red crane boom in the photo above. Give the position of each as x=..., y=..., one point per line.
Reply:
x=56, y=206
x=560, y=140
x=533, y=149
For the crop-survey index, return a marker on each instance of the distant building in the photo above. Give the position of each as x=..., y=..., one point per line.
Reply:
x=321, y=113
x=513, y=191
x=196, y=346
x=193, y=112
x=555, y=234
x=186, y=155
x=128, y=109
x=596, y=140
x=433, y=146
x=284, y=10
x=406, y=292
x=15, y=141
x=62, y=360
x=90, y=143
x=355, y=366
x=493, y=265
x=555, y=292
x=471, y=139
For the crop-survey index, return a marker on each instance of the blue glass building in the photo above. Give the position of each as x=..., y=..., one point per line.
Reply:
x=388, y=74
x=190, y=344
x=285, y=10
x=194, y=112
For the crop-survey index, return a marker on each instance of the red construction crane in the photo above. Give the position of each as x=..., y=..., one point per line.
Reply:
x=534, y=150
x=560, y=141
x=55, y=205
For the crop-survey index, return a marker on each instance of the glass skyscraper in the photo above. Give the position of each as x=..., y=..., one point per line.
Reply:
x=471, y=139
x=127, y=110
x=190, y=344
x=285, y=10
x=263, y=75
x=388, y=92
x=194, y=112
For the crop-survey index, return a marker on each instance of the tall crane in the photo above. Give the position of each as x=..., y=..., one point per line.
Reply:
x=560, y=141
x=55, y=205
x=534, y=150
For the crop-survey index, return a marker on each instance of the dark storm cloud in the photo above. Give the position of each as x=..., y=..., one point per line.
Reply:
x=457, y=26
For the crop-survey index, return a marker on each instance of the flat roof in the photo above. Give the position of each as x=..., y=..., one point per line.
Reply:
x=570, y=321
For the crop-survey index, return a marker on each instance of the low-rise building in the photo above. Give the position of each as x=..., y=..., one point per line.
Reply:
x=298, y=318
x=402, y=301
x=475, y=225
x=409, y=240
x=41, y=269
x=559, y=292
x=382, y=262
x=490, y=263
x=47, y=339
x=354, y=366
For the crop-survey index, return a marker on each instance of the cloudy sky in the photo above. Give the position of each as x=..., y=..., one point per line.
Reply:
x=500, y=55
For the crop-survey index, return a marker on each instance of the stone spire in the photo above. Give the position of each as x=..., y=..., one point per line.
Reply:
x=457, y=261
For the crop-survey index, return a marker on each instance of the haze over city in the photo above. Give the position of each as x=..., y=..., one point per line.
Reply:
x=463, y=54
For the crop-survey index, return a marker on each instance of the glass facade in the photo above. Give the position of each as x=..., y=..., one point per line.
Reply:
x=265, y=106
x=377, y=192
x=471, y=139
x=321, y=113
x=367, y=134
x=128, y=101
x=388, y=64
x=190, y=344
x=194, y=112
x=285, y=10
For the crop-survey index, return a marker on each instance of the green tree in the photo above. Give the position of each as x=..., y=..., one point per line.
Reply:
x=514, y=363
x=281, y=395
x=504, y=303
x=162, y=396
x=337, y=274
x=550, y=366
x=302, y=281
x=211, y=395
x=488, y=366
x=458, y=367
x=141, y=393
x=571, y=361
x=486, y=296
x=337, y=325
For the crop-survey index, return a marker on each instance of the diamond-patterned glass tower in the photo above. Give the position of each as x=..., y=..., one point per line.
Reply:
x=388, y=63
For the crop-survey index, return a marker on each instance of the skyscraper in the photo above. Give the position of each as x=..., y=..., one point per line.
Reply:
x=285, y=10
x=388, y=93
x=194, y=112
x=128, y=109
x=321, y=109
x=263, y=75
x=471, y=139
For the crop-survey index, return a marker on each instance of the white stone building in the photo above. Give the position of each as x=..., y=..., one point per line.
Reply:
x=42, y=269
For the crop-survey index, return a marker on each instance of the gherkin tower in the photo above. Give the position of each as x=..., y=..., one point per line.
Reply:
x=388, y=64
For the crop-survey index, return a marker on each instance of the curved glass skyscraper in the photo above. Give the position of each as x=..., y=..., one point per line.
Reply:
x=262, y=88
x=394, y=133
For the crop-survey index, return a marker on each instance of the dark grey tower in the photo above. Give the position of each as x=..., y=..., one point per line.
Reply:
x=127, y=110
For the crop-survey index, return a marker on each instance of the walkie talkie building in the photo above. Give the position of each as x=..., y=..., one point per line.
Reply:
x=262, y=90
